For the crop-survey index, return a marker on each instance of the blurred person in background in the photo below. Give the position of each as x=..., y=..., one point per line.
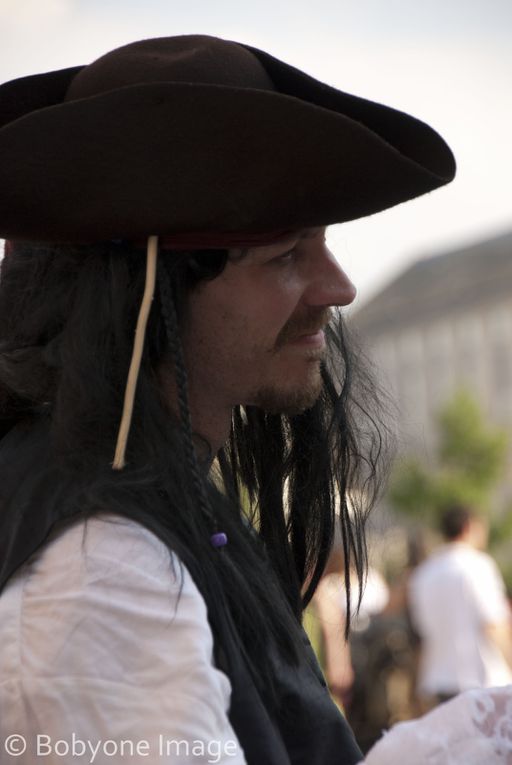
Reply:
x=328, y=623
x=331, y=617
x=459, y=608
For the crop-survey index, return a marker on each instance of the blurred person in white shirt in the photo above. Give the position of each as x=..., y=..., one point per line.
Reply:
x=459, y=607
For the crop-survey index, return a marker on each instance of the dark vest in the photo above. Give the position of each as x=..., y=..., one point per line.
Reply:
x=36, y=497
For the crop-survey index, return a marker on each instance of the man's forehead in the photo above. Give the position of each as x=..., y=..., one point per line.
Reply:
x=286, y=240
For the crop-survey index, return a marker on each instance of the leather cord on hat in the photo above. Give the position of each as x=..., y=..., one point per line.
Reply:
x=138, y=347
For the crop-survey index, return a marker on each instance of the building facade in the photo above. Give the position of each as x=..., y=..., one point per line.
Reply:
x=444, y=323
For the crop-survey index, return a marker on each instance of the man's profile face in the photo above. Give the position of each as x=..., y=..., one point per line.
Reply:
x=254, y=335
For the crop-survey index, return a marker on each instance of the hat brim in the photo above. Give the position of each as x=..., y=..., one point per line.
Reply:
x=161, y=158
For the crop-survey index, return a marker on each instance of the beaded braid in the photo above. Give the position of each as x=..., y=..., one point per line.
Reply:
x=169, y=315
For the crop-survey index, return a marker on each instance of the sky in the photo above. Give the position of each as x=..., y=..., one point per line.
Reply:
x=448, y=62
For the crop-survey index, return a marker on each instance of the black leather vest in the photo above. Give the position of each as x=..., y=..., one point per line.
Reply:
x=35, y=496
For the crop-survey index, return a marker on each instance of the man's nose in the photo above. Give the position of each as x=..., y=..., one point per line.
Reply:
x=329, y=284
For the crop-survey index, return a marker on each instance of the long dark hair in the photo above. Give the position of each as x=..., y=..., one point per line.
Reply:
x=277, y=488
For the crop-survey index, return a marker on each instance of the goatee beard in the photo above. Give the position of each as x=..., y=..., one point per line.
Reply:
x=292, y=401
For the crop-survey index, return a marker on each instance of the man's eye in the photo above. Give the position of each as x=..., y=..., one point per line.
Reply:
x=285, y=257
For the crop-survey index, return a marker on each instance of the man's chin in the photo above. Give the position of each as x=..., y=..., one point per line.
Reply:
x=291, y=401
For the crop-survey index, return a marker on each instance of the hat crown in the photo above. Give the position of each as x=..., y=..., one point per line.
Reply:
x=190, y=58
x=194, y=135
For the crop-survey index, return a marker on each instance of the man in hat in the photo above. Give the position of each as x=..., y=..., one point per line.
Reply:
x=168, y=502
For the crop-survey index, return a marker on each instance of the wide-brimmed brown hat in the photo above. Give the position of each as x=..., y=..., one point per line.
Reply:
x=195, y=136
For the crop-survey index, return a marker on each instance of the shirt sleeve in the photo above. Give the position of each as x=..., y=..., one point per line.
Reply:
x=115, y=647
x=488, y=592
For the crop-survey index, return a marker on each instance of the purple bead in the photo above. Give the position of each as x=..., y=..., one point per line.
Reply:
x=219, y=539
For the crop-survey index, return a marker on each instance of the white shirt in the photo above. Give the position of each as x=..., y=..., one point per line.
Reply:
x=96, y=647
x=453, y=596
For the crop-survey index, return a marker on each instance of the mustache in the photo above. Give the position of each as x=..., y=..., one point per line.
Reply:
x=307, y=323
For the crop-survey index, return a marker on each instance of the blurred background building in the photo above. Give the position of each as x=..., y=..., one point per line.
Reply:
x=443, y=324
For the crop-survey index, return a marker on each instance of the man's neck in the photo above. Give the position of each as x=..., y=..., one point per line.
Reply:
x=210, y=417
x=211, y=421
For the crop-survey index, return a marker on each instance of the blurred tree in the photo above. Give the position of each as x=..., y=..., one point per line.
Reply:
x=469, y=446
x=469, y=463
